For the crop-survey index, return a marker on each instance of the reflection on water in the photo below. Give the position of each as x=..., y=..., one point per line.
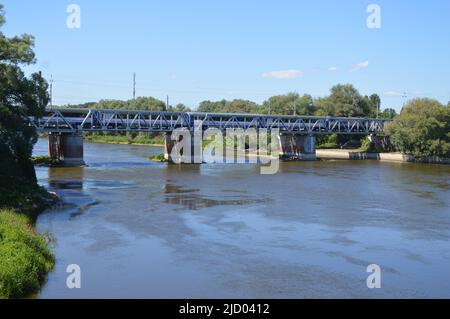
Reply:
x=175, y=189
x=66, y=178
x=193, y=200
x=141, y=229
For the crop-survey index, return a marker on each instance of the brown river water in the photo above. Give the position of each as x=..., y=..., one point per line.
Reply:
x=139, y=229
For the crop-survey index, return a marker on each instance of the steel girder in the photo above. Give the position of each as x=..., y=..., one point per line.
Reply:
x=73, y=120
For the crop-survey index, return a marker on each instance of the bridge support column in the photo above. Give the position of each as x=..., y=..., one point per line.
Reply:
x=168, y=147
x=298, y=147
x=67, y=148
x=189, y=146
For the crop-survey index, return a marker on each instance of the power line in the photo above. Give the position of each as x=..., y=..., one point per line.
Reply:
x=194, y=90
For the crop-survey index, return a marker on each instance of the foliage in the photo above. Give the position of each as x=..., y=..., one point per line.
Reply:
x=422, y=129
x=19, y=97
x=45, y=161
x=368, y=146
x=224, y=106
x=179, y=108
x=327, y=141
x=289, y=104
x=24, y=257
x=388, y=114
x=140, y=103
x=157, y=158
x=345, y=101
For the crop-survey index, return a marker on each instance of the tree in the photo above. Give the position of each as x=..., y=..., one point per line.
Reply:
x=289, y=104
x=388, y=114
x=224, y=106
x=212, y=107
x=19, y=97
x=375, y=105
x=241, y=106
x=345, y=101
x=180, y=108
x=305, y=105
x=140, y=103
x=422, y=129
x=146, y=104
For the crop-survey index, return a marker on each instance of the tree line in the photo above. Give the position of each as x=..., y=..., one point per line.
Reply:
x=421, y=129
x=344, y=100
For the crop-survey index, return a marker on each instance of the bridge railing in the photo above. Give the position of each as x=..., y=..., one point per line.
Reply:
x=72, y=120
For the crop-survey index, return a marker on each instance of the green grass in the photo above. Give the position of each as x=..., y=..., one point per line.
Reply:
x=45, y=161
x=126, y=139
x=25, y=258
x=157, y=158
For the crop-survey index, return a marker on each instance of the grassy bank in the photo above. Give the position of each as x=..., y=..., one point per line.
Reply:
x=45, y=161
x=25, y=258
x=157, y=158
x=125, y=139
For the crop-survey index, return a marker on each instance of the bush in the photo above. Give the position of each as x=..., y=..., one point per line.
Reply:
x=368, y=146
x=157, y=158
x=327, y=141
x=24, y=257
x=422, y=129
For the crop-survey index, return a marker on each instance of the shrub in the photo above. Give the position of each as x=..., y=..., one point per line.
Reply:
x=422, y=129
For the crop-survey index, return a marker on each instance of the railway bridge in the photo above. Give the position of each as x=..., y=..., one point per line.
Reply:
x=296, y=137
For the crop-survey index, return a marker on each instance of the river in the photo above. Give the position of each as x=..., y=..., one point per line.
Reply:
x=139, y=229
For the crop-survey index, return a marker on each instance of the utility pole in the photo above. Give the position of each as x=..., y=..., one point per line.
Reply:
x=405, y=97
x=167, y=103
x=134, y=86
x=295, y=108
x=51, y=91
x=378, y=107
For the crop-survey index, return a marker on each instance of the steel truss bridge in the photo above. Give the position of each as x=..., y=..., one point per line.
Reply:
x=79, y=120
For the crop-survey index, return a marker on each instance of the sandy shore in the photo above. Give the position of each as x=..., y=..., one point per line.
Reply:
x=388, y=157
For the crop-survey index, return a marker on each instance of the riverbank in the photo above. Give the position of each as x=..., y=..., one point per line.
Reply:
x=25, y=258
x=125, y=140
x=339, y=154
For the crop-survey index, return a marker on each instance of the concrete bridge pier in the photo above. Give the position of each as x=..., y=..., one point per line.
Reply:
x=67, y=148
x=297, y=147
x=189, y=147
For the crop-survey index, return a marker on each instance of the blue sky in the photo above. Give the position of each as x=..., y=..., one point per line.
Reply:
x=198, y=50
